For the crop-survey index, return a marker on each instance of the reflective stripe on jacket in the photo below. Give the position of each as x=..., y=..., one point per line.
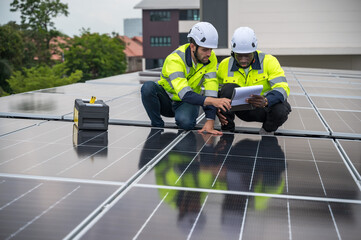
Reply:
x=180, y=76
x=265, y=70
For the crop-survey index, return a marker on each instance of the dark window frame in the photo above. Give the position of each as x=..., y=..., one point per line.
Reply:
x=160, y=41
x=159, y=16
x=189, y=15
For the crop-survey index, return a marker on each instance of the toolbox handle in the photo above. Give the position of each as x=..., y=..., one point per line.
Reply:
x=93, y=105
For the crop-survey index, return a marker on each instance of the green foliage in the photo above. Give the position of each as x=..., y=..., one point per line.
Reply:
x=17, y=46
x=36, y=17
x=98, y=56
x=12, y=45
x=5, y=73
x=25, y=50
x=42, y=77
x=3, y=93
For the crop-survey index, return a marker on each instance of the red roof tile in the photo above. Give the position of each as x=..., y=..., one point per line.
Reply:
x=133, y=46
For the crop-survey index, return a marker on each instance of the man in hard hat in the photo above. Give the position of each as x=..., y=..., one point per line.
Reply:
x=248, y=67
x=185, y=71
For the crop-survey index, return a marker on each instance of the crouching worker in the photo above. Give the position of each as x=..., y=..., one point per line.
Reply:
x=185, y=71
x=248, y=67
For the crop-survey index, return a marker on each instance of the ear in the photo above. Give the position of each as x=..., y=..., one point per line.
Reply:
x=193, y=47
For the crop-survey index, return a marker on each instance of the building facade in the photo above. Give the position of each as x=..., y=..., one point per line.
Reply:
x=300, y=33
x=165, y=27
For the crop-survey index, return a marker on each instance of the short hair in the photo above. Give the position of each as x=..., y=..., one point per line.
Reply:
x=191, y=40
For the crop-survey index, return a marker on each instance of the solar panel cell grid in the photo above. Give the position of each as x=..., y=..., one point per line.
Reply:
x=139, y=182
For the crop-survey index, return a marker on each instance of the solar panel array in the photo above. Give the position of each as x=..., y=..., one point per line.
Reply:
x=137, y=182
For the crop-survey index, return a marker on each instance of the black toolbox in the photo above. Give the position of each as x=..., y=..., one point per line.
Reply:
x=91, y=116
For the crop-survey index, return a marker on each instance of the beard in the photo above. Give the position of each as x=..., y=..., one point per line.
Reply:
x=203, y=60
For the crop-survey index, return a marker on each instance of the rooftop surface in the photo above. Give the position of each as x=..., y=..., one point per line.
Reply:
x=137, y=182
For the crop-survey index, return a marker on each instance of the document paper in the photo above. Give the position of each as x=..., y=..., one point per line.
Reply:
x=240, y=94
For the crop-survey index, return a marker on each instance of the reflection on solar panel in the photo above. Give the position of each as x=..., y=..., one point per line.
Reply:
x=138, y=182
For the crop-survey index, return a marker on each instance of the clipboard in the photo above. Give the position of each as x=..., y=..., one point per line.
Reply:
x=240, y=94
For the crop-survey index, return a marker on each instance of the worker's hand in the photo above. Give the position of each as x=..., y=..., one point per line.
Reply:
x=257, y=101
x=222, y=103
x=209, y=128
x=222, y=118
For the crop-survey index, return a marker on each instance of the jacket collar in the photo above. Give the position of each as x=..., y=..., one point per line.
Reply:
x=189, y=56
x=255, y=65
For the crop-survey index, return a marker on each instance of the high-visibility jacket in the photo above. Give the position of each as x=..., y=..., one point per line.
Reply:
x=180, y=76
x=265, y=70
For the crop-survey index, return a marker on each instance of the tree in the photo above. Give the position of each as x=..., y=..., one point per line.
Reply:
x=12, y=45
x=42, y=77
x=96, y=55
x=36, y=16
x=5, y=73
x=16, y=46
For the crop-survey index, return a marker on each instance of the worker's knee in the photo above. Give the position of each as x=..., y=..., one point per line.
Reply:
x=279, y=113
x=227, y=90
x=185, y=123
x=148, y=88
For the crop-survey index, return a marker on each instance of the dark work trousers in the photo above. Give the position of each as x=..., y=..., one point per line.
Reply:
x=271, y=117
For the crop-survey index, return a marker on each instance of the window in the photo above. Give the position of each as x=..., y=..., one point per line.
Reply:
x=160, y=41
x=190, y=14
x=152, y=63
x=159, y=16
x=158, y=62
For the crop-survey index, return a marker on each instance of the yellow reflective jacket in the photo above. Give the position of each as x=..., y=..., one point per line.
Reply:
x=265, y=70
x=179, y=75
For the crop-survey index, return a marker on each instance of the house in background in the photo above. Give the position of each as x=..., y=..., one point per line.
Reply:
x=57, y=53
x=166, y=24
x=134, y=52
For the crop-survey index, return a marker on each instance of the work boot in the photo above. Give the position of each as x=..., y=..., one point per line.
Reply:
x=265, y=133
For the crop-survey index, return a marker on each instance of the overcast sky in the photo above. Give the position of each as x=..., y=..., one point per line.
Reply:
x=102, y=16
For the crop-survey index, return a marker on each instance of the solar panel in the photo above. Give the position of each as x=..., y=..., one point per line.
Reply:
x=352, y=151
x=8, y=125
x=343, y=123
x=49, y=150
x=301, y=121
x=341, y=104
x=57, y=102
x=139, y=182
x=43, y=209
x=215, y=216
x=295, y=87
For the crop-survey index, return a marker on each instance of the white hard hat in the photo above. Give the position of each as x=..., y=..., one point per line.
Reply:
x=204, y=34
x=244, y=40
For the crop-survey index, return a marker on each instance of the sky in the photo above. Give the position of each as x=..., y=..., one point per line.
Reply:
x=102, y=16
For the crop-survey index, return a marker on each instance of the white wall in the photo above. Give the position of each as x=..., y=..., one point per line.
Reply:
x=185, y=26
x=299, y=27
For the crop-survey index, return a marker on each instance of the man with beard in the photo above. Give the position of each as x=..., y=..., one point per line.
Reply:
x=185, y=71
x=248, y=67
